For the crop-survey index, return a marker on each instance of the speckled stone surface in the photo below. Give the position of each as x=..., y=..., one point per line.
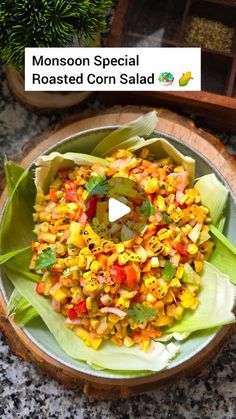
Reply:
x=27, y=393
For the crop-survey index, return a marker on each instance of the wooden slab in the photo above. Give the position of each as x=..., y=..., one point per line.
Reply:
x=95, y=387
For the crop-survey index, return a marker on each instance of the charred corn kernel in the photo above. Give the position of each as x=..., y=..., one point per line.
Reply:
x=123, y=258
x=85, y=251
x=73, y=206
x=179, y=272
x=94, y=323
x=170, y=208
x=107, y=288
x=95, y=266
x=117, y=341
x=120, y=248
x=68, y=306
x=191, y=193
x=145, y=345
x=175, y=282
x=183, y=199
x=134, y=257
x=186, y=229
x=198, y=265
x=171, y=198
x=89, y=302
x=128, y=341
x=151, y=185
x=179, y=310
x=187, y=299
x=192, y=249
x=205, y=228
x=114, y=288
x=89, y=260
x=166, y=250
x=112, y=259
x=81, y=262
x=122, y=303
x=92, y=285
x=154, y=246
x=150, y=282
x=84, y=195
x=164, y=234
x=163, y=321
x=176, y=216
x=160, y=203
x=113, y=318
x=60, y=294
x=179, y=169
x=129, y=294
x=150, y=298
x=155, y=262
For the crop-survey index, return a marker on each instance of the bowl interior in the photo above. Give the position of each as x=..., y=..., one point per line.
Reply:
x=36, y=329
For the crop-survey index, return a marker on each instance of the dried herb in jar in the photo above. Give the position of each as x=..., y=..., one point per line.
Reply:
x=209, y=34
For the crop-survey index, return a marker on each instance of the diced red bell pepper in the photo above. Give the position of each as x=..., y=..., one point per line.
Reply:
x=159, y=227
x=81, y=308
x=131, y=277
x=182, y=250
x=118, y=274
x=72, y=314
x=52, y=194
x=70, y=191
x=40, y=287
x=91, y=206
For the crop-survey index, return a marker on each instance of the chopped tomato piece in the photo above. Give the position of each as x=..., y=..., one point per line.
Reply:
x=40, y=287
x=72, y=314
x=91, y=206
x=70, y=191
x=81, y=308
x=52, y=194
x=131, y=276
x=118, y=274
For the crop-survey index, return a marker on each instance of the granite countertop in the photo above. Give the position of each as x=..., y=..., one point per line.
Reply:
x=28, y=393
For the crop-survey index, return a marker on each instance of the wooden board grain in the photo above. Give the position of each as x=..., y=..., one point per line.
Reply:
x=96, y=387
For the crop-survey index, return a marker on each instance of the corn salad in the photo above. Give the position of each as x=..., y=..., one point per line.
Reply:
x=128, y=292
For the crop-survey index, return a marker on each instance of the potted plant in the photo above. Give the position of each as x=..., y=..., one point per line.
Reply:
x=47, y=23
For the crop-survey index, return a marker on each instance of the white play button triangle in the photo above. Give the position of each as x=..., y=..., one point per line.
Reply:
x=117, y=209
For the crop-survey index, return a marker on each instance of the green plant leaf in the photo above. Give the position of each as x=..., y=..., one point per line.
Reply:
x=109, y=356
x=217, y=298
x=97, y=186
x=223, y=256
x=147, y=209
x=213, y=195
x=131, y=132
x=141, y=312
x=169, y=271
x=46, y=259
x=48, y=166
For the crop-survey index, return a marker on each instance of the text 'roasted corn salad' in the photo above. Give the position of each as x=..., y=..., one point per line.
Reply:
x=116, y=285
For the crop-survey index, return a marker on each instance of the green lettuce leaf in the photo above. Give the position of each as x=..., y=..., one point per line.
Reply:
x=213, y=195
x=17, y=221
x=224, y=255
x=217, y=298
x=20, y=309
x=131, y=132
x=7, y=256
x=48, y=166
x=109, y=356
